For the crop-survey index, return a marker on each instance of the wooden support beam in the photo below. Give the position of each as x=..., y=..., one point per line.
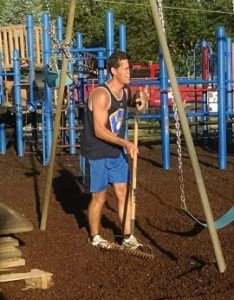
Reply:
x=11, y=263
x=8, y=241
x=188, y=137
x=34, y=279
x=9, y=252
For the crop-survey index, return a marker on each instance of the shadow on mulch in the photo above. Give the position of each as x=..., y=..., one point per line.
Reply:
x=197, y=228
x=35, y=173
x=153, y=242
x=68, y=192
x=2, y=297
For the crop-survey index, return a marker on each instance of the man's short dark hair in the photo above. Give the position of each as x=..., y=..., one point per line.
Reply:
x=115, y=58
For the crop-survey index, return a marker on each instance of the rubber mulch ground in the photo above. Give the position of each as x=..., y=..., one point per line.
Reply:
x=184, y=265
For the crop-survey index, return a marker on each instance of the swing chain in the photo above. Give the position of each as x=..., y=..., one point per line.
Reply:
x=64, y=47
x=178, y=129
x=179, y=152
x=59, y=44
x=37, y=16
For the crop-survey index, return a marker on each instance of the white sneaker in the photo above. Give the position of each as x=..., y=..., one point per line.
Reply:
x=98, y=241
x=131, y=243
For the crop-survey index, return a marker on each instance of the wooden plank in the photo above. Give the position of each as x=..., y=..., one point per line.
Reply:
x=10, y=252
x=1, y=42
x=35, y=278
x=8, y=241
x=12, y=222
x=15, y=37
x=22, y=43
x=10, y=43
x=5, y=50
x=11, y=263
x=9, y=249
x=37, y=43
x=16, y=41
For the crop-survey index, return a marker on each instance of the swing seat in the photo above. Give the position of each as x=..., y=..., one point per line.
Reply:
x=52, y=77
x=223, y=221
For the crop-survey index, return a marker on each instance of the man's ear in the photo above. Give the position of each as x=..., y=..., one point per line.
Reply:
x=113, y=71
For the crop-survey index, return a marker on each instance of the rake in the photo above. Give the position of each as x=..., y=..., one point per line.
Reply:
x=120, y=248
x=134, y=178
x=136, y=253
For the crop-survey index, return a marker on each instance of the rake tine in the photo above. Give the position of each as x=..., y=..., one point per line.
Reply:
x=136, y=253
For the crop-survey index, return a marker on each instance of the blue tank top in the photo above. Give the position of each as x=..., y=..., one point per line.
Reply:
x=95, y=148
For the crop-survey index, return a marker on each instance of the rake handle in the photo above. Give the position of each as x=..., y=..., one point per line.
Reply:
x=134, y=177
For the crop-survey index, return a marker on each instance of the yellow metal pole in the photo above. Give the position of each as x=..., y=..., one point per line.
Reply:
x=68, y=37
x=188, y=138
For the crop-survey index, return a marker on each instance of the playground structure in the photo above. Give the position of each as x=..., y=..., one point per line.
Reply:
x=48, y=51
x=37, y=51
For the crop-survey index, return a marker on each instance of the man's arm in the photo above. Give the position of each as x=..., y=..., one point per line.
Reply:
x=100, y=101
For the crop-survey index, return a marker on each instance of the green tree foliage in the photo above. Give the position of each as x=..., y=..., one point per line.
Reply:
x=184, y=28
x=15, y=11
x=142, y=43
x=89, y=19
x=186, y=22
x=220, y=19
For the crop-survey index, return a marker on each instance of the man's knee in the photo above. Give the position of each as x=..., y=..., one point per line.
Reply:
x=121, y=191
x=99, y=198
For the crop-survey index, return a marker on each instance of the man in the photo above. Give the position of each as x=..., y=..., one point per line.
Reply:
x=103, y=146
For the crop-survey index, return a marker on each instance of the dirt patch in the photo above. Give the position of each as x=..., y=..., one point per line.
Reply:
x=184, y=265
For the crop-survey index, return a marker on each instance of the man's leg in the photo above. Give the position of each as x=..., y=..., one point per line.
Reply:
x=122, y=193
x=124, y=206
x=95, y=211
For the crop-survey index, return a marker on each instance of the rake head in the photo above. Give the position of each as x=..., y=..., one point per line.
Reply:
x=122, y=249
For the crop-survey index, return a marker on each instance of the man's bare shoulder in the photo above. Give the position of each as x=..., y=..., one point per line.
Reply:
x=100, y=97
x=99, y=91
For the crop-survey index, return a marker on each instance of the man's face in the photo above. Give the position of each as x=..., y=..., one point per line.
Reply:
x=122, y=73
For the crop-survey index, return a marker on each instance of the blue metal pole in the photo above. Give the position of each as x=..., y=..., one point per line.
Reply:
x=163, y=77
x=229, y=74
x=171, y=115
x=222, y=126
x=2, y=98
x=179, y=81
x=71, y=121
x=109, y=33
x=59, y=28
x=2, y=138
x=123, y=47
x=100, y=62
x=194, y=81
x=204, y=93
x=122, y=38
x=110, y=47
x=2, y=125
x=86, y=50
x=47, y=104
x=229, y=86
x=71, y=110
x=79, y=40
x=80, y=62
x=31, y=54
x=18, y=104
